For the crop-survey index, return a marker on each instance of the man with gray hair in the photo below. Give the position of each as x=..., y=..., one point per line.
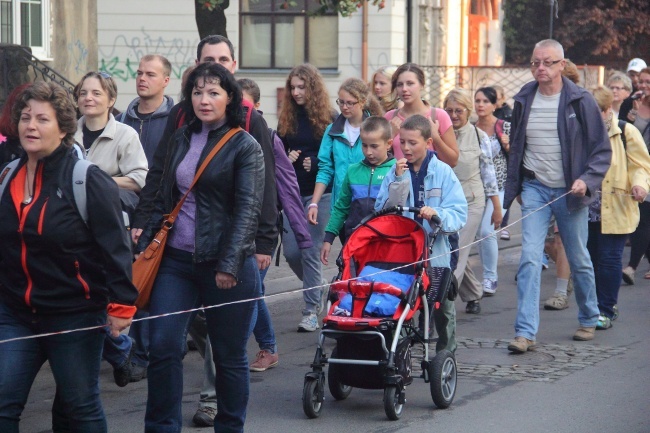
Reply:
x=559, y=145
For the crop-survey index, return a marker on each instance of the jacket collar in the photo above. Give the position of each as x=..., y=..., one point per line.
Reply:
x=569, y=88
x=338, y=127
x=161, y=111
x=109, y=129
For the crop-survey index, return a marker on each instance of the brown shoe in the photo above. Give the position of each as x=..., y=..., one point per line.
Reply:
x=264, y=360
x=521, y=345
x=584, y=334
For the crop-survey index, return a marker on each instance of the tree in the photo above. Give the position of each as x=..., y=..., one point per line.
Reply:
x=592, y=31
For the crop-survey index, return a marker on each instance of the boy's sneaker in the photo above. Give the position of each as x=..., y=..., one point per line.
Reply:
x=489, y=287
x=505, y=235
x=264, y=360
x=308, y=323
x=556, y=302
x=604, y=322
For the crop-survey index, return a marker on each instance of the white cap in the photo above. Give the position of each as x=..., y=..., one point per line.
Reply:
x=636, y=65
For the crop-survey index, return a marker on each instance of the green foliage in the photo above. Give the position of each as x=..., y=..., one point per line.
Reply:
x=591, y=31
x=345, y=7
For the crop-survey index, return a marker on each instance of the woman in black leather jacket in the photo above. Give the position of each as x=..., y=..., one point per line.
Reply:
x=209, y=257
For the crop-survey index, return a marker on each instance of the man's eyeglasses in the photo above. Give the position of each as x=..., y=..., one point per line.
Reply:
x=348, y=104
x=456, y=111
x=547, y=63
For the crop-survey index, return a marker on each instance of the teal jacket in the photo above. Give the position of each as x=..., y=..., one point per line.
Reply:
x=356, y=197
x=336, y=154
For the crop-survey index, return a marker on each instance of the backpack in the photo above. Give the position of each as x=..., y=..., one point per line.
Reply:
x=79, y=173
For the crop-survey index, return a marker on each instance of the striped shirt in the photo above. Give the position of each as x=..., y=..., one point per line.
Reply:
x=543, y=154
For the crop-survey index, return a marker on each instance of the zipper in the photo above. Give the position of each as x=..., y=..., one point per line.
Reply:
x=81, y=280
x=42, y=217
x=22, y=218
x=372, y=173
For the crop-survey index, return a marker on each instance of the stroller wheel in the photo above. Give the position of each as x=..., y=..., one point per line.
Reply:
x=338, y=390
x=392, y=404
x=443, y=374
x=312, y=400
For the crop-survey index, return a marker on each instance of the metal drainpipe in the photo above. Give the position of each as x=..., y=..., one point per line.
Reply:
x=409, y=36
x=364, y=43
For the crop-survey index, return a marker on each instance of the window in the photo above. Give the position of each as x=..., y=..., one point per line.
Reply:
x=26, y=22
x=279, y=34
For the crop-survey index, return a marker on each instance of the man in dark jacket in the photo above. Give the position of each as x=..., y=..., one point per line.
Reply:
x=217, y=49
x=559, y=146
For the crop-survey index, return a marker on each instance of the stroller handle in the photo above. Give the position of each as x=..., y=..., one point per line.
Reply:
x=401, y=209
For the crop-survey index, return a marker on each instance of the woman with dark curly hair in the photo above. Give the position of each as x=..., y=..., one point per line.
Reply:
x=209, y=258
x=58, y=270
x=304, y=116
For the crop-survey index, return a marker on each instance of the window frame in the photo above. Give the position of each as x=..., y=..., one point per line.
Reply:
x=40, y=52
x=273, y=15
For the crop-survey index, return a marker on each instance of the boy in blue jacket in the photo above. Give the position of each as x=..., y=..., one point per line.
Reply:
x=420, y=179
x=361, y=185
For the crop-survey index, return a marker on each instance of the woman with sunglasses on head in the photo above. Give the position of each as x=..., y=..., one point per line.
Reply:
x=475, y=170
x=408, y=82
x=112, y=146
x=497, y=130
x=305, y=113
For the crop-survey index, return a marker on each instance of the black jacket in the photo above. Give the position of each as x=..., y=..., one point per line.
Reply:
x=51, y=262
x=267, y=231
x=228, y=198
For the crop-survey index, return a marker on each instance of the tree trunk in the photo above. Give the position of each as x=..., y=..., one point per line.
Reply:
x=211, y=22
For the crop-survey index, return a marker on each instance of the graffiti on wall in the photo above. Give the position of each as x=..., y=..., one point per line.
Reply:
x=122, y=57
x=77, y=55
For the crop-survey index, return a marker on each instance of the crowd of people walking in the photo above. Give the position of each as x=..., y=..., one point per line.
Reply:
x=576, y=161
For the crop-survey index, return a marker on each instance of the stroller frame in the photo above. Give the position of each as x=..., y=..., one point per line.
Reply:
x=440, y=373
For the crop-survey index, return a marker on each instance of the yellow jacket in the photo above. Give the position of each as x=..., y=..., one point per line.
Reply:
x=619, y=212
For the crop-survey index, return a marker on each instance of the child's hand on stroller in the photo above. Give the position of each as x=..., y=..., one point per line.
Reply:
x=426, y=213
x=401, y=166
x=325, y=252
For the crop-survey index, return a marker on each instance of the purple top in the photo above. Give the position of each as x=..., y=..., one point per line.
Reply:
x=182, y=236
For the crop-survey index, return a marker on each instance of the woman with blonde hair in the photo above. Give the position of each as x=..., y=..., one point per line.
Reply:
x=615, y=212
x=304, y=116
x=408, y=82
x=381, y=85
x=475, y=170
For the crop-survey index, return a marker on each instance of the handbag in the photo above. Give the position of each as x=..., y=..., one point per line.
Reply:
x=146, y=266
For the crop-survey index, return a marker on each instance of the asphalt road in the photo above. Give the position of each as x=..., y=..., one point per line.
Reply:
x=564, y=386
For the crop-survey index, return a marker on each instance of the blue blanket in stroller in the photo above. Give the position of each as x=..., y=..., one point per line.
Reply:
x=380, y=304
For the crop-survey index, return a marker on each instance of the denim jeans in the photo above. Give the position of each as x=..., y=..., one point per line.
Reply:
x=488, y=249
x=182, y=285
x=116, y=349
x=574, y=232
x=262, y=326
x=306, y=263
x=74, y=359
x=606, y=252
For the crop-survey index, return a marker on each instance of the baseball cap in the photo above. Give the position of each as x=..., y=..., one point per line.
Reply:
x=636, y=65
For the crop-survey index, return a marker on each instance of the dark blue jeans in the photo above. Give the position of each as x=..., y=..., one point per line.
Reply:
x=116, y=349
x=262, y=326
x=182, y=285
x=606, y=253
x=74, y=359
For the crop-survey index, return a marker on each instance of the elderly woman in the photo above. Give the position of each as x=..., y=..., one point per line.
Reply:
x=209, y=258
x=113, y=146
x=615, y=213
x=475, y=170
x=58, y=271
x=621, y=87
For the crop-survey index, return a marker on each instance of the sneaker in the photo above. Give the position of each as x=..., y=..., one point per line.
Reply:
x=615, y=316
x=323, y=297
x=264, y=360
x=489, y=287
x=204, y=416
x=521, y=345
x=137, y=373
x=308, y=323
x=122, y=374
x=473, y=307
x=556, y=302
x=584, y=334
x=628, y=275
x=505, y=235
x=604, y=322
x=544, y=262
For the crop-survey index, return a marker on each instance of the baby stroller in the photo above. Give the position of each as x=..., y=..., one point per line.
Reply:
x=373, y=320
